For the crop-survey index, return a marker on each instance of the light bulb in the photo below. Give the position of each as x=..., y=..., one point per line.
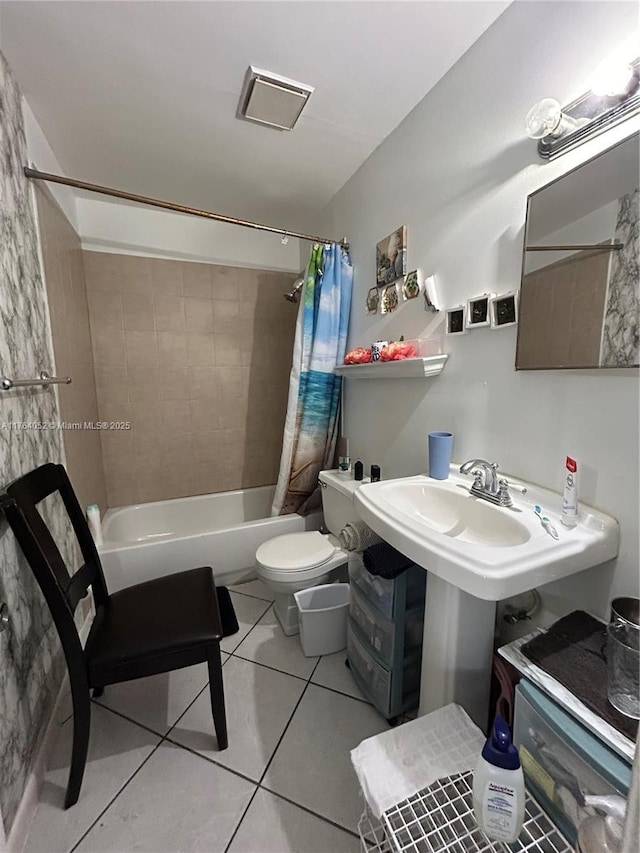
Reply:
x=611, y=78
x=547, y=119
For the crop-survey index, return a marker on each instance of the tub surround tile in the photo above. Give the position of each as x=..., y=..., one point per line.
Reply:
x=153, y=813
x=259, y=703
x=248, y=612
x=158, y=701
x=268, y=645
x=117, y=748
x=315, y=751
x=220, y=335
x=273, y=825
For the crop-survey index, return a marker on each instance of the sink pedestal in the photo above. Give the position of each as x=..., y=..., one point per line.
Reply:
x=457, y=653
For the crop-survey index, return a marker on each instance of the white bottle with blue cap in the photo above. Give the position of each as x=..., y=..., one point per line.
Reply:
x=498, y=787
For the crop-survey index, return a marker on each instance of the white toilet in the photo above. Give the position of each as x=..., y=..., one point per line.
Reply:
x=297, y=561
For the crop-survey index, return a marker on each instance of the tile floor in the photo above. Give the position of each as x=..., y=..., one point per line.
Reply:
x=155, y=781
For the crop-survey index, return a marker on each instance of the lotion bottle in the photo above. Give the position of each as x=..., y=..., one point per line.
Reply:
x=570, y=496
x=95, y=524
x=498, y=787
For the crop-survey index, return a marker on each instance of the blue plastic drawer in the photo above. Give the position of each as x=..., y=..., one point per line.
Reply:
x=563, y=761
x=387, y=638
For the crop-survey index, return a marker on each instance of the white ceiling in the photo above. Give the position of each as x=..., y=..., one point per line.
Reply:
x=142, y=96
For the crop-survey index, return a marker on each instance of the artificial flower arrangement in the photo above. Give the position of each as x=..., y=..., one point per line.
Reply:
x=394, y=351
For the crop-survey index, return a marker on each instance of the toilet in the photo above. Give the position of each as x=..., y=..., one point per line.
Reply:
x=297, y=561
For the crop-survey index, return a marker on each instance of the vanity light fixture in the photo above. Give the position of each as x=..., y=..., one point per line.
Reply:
x=613, y=96
x=270, y=99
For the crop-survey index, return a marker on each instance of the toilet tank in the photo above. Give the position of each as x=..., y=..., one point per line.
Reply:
x=337, y=499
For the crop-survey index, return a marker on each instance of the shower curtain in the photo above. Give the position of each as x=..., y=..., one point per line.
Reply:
x=311, y=426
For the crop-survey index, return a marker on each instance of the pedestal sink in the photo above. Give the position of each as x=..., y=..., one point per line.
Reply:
x=476, y=553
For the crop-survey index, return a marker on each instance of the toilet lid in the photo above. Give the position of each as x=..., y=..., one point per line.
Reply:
x=296, y=551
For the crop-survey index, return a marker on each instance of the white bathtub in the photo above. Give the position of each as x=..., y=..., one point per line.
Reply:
x=223, y=531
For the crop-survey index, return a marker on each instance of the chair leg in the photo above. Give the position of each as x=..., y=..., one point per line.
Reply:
x=216, y=690
x=81, y=729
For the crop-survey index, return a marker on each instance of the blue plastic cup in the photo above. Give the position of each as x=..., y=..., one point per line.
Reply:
x=440, y=446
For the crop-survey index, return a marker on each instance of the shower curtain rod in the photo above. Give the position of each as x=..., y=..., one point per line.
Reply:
x=34, y=174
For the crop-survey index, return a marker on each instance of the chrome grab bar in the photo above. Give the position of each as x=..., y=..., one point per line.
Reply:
x=44, y=380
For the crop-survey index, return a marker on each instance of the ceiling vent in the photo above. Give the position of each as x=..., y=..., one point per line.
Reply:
x=272, y=100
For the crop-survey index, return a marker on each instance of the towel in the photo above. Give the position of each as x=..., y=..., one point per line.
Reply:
x=383, y=560
x=357, y=536
x=573, y=651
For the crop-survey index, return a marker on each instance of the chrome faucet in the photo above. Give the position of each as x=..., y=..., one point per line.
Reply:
x=486, y=484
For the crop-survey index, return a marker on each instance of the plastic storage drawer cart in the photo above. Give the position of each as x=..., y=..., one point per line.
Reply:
x=563, y=761
x=384, y=636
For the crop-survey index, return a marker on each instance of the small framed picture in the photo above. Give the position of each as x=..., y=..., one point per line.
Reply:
x=390, y=299
x=455, y=320
x=503, y=310
x=411, y=286
x=391, y=257
x=478, y=311
x=373, y=300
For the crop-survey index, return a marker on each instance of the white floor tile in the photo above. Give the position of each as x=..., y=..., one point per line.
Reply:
x=158, y=701
x=256, y=588
x=332, y=672
x=272, y=825
x=312, y=765
x=248, y=611
x=116, y=749
x=177, y=802
x=268, y=644
x=259, y=703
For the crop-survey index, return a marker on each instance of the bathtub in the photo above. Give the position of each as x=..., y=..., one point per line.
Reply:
x=223, y=531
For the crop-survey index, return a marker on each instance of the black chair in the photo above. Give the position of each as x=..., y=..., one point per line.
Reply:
x=154, y=627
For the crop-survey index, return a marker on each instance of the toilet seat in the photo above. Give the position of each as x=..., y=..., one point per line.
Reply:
x=299, y=555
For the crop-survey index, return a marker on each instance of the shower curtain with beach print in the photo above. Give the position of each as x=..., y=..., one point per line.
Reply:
x=311, y=427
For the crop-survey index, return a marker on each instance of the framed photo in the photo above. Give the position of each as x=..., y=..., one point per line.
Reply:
x=411, y=286
x=391, y=257
x=373, y=300
x=478, y=311
x=503, y=310
x=455, y=320
x=390, y=299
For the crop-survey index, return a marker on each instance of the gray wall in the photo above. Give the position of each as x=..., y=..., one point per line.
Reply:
x=30, y=660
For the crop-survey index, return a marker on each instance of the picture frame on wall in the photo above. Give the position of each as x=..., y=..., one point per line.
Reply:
x=373, y=300
x=411, y=285
x=503, y=310
x=391, y=257
x=478, y=311
x=455, y=320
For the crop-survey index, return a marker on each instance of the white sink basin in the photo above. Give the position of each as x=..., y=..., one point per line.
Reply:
x=488, y=551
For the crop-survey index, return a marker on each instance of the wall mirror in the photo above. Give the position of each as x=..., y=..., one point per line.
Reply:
x=579, y=299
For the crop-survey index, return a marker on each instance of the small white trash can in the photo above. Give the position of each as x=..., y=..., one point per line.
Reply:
x=322, y=613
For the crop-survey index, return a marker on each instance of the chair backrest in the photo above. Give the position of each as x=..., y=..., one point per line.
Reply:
x=62, y=589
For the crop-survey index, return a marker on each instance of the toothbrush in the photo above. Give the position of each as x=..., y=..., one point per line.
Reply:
x=546, y=522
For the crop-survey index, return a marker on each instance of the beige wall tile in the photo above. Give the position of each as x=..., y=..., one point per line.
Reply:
x=166, y=277
x=225, y=282
x=138, y=312
x=206, y=391
x=200, y=350
x=199, y=315
x=169, y=313
x=108, y=348
x=197, y=280
x=172, y=349
x=105, y=309
x=142, y=349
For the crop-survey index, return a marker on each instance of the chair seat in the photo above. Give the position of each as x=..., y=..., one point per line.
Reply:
x=175, y=616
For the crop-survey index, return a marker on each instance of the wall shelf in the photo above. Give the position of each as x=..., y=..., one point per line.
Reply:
x=408, y=368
